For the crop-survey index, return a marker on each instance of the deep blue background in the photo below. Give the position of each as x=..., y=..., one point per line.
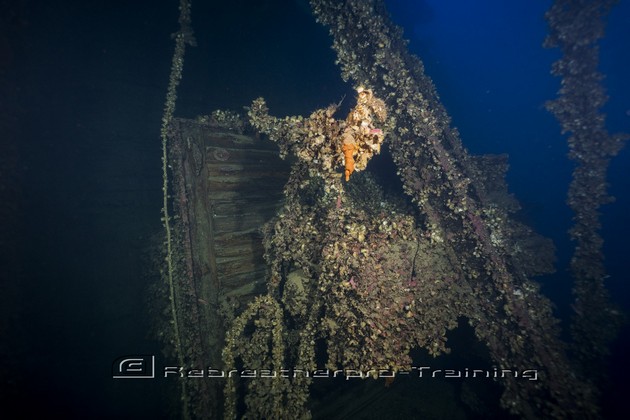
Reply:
x=85, y=90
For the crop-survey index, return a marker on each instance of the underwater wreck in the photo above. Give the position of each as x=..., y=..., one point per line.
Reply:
x=287, y=261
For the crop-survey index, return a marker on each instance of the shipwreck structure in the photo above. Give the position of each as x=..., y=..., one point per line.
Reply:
x=280, y=270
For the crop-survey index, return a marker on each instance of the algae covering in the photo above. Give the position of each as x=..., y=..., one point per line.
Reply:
x=355, y=276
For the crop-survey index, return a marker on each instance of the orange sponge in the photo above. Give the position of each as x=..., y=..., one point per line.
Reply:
x=348, y=150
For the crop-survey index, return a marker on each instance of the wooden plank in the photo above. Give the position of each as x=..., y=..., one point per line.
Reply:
x=257, y=170
x=229, y=224
x=236, y=141
x=238, y=251
x=244, y=156
x=239, y=208
x=236, y=182
x=235, y=252
x=222, y=184
x=235, y=266
x=250, y=196
x=245, y=282
x=230, y=240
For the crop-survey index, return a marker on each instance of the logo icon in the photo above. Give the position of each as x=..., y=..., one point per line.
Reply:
x=134, y=367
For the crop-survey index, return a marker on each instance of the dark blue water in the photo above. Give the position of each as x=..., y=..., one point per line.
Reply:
x=83, y=90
